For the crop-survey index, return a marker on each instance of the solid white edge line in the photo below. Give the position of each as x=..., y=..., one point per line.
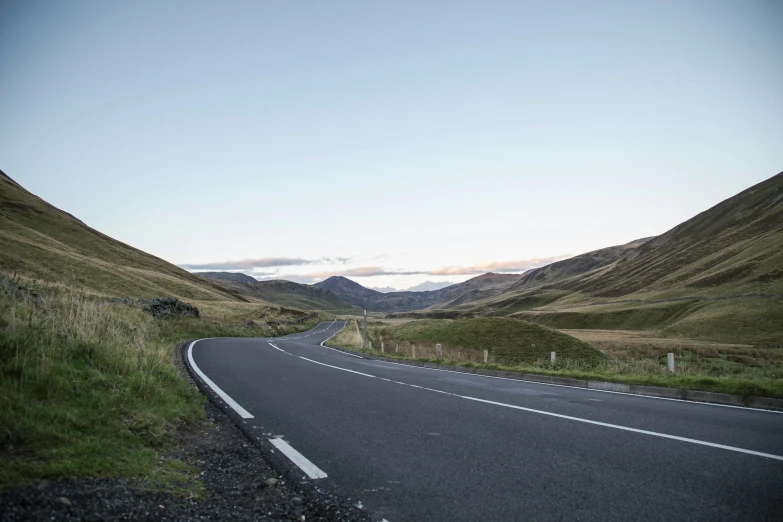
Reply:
x=625, y=428
x=223, y=395
x=569, y=417
x=583, y=389
x=345, y=323
x=310, y=469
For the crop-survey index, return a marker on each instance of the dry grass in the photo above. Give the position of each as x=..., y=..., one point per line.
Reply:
x=89, y=388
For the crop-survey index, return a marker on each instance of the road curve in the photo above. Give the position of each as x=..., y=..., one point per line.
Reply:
x=413, y=443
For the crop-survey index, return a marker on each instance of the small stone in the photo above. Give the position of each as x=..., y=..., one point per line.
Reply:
x=64, y=503
x=271, y=482
x=297, y=501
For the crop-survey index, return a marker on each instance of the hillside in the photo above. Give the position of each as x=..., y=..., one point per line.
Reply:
x=280, y=292
x=475, y=289
x=716, y=276
x=507, y=338
x=40, y=241
x=577, y=265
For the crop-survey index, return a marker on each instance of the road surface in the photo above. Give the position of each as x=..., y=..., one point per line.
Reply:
x=414, y=443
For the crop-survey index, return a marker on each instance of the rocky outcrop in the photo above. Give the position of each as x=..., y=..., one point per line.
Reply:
x=165, y=306
x=159, y=306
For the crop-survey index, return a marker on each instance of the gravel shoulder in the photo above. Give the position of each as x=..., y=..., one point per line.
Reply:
x=241, y=481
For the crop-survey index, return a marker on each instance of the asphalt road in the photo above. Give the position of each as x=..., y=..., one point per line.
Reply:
x=413, y=443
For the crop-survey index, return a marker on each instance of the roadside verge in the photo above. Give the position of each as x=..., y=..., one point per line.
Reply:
x=765, y=403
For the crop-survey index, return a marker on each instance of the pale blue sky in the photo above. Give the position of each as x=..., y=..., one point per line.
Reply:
x=426, y=140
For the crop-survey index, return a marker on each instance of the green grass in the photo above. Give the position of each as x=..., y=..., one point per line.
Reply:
x=41, y=242
x=91, y=389
x=508, y=338
x=725, y=377
x=503, y=337
x=753, y=321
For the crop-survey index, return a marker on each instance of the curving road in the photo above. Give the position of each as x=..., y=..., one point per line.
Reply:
x=413, y=443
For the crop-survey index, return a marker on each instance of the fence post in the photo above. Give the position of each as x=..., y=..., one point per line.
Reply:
x=486, y=355
x=439, y=351
x=413, y=349
x=670, y=361
x=554, y=356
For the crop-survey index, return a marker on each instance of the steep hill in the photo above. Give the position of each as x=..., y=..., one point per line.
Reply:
x=40, y=241
x=578, y=265
x=284, y=293
x=716, y=276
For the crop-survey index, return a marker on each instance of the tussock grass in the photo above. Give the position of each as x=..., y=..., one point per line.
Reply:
x=93, y=389
x=695, y=367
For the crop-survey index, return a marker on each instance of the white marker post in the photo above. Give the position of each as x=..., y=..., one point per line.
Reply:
x=439, y=351
x=486, y=356
x=413, y=349
x=670, y=361
x=396, y=348
x=381, y=346
x=554, y=356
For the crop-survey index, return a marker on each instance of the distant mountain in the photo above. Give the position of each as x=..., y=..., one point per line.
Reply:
x=285, y=293
x=475, y=289
x=429, y=285
x=236, y=277
x=384, y=289
x=354, y=293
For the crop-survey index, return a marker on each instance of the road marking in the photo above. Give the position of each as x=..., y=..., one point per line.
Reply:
x=310, y=469
x=340, y=351
x=223, y=395
x=569, y=417
x=640, y=395
x=625, y=428
x=276, y=348
x=337, y=367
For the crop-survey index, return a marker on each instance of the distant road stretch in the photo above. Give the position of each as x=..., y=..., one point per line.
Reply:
x=415, y=444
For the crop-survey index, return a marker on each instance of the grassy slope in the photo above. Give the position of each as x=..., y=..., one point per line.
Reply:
x=42, y=242
x=724, y=378
x=91, y=389
x=88, y=388
x=504, y=337
x=733, y=248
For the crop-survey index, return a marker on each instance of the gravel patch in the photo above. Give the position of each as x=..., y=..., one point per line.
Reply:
x=242, y=481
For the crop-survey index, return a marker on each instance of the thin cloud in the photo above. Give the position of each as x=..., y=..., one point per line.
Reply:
x=513, y=267
x=265, y=262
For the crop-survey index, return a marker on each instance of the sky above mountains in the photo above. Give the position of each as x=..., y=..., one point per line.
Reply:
x=393, y=143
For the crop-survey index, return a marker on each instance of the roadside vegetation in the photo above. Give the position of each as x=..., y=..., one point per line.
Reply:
x=735, y=369
x=90, y=388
